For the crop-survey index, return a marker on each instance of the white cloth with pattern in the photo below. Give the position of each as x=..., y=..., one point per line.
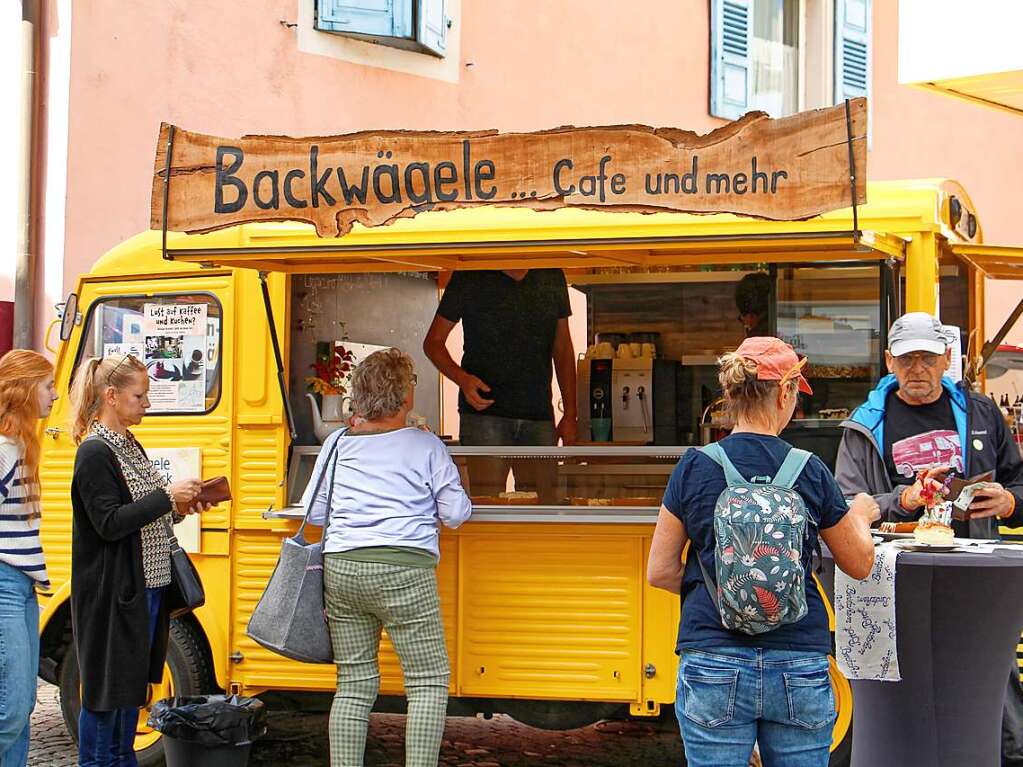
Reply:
x=865, y=638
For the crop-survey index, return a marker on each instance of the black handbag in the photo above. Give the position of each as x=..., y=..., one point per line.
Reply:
x=185, y=592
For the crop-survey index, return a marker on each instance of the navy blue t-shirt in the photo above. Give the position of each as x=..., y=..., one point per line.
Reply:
x=693, y=490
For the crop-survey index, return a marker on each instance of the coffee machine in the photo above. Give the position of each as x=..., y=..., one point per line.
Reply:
x=631, y=400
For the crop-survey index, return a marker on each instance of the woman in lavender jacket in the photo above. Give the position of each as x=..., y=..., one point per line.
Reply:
x=387, y=487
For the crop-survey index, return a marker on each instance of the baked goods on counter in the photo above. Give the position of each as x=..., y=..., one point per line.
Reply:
x=834, y=413
x=635, y=501
x=837, y=371
x=514, y=498
x=934, y=534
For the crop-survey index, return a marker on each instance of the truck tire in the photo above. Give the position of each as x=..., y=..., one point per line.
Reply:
x=188, y=671
x=842, y=733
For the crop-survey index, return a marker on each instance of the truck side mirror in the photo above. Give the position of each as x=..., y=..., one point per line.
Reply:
x=69, y=316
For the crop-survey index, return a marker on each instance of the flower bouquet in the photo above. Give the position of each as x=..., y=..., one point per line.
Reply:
x=332, y=372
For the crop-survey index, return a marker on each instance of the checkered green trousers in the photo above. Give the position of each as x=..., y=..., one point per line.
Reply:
x=362, y=598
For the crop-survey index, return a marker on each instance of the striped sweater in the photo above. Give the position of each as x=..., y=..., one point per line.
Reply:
x=19, y=515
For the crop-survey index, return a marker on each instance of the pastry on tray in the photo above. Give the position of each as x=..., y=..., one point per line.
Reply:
x=516, y=498
x=621, y=501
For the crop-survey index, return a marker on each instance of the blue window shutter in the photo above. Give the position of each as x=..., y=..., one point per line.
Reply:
x=730, y=28
x=378, y=18
x=433, y=26
x=852, y=49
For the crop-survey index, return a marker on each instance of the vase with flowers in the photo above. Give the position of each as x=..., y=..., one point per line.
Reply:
x=333, y=368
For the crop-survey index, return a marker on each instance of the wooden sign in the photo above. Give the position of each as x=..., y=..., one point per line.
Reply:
x=785, y=169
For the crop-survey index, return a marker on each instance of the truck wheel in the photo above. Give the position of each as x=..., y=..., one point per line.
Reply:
x=841, y=735
x=187, y=671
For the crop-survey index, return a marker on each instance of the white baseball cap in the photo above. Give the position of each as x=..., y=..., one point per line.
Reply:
x=918, y=332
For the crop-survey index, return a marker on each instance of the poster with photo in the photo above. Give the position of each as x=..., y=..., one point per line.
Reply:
x=176, y=356
x=134, y=349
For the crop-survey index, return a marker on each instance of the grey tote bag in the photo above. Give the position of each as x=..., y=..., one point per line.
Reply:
x=290, y=619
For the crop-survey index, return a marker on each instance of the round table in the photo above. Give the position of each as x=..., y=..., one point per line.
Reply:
x=958, y=620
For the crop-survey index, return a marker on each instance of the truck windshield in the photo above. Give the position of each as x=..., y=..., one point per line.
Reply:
x=176, y=336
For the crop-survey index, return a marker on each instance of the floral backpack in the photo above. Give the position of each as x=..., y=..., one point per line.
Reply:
x=759, y=528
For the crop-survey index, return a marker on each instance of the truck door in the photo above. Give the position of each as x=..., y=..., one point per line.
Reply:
x=180, y=328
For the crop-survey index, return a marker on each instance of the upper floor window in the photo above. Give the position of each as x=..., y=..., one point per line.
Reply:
x=417, y=25
x=783, y=56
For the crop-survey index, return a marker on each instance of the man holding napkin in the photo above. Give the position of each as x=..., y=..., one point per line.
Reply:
x=916, y=426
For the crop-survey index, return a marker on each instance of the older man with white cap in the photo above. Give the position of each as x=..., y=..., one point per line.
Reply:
x=918, y=425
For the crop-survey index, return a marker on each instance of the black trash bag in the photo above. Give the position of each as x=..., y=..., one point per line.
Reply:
x=210, y=720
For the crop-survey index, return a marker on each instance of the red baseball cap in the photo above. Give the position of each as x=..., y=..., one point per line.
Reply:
x=776, y=360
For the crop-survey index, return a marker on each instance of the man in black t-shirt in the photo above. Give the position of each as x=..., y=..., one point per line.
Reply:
x=515, y=327
x=915, y=428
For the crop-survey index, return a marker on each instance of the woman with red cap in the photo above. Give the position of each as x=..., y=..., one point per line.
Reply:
x=753, y=639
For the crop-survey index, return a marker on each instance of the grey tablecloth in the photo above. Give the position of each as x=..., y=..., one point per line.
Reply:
x=959, y=617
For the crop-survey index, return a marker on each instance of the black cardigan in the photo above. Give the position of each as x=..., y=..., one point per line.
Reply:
x=109, y=612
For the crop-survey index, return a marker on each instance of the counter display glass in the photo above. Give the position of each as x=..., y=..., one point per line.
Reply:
x=612, y=484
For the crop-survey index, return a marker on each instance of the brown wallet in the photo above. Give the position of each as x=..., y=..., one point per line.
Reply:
x=214, y=491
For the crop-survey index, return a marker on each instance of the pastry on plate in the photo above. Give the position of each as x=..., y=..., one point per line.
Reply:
x=934, y=534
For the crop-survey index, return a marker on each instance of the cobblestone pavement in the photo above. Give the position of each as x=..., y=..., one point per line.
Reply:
x=300, y=740
x=51, y=745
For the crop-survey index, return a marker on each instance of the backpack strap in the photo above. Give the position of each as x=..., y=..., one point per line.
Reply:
x=791, y=468
x=717, y=454
x=707, y=581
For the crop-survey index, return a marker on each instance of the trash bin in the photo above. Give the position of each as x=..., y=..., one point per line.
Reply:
x=208, y=730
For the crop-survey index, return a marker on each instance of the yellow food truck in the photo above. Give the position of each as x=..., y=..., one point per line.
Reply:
x=549, y=617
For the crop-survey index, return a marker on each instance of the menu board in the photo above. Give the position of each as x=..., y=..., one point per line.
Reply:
x=175, y=464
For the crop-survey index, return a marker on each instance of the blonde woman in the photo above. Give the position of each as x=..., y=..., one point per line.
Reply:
x=737, y=688
x=120, y=556
x=26, y=394
x=389, y=485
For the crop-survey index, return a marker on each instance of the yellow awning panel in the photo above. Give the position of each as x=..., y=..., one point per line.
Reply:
x=1000, y=262
x=512, y=239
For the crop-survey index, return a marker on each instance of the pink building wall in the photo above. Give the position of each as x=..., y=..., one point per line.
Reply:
x=234, y=68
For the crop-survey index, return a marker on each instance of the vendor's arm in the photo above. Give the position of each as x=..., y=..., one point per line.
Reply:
x=436, y=349
x=564, y=368
x=857, y=468
x=664, y=565
x=99, y=483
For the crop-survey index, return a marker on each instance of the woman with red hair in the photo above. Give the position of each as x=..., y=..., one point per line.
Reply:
x=27, y=393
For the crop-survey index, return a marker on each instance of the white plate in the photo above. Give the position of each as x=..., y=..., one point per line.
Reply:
x=931, y=547
x=891, y=536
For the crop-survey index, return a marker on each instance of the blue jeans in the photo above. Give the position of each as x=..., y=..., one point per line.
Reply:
x=19, y=663
x=107, y=738
x=730, y=698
